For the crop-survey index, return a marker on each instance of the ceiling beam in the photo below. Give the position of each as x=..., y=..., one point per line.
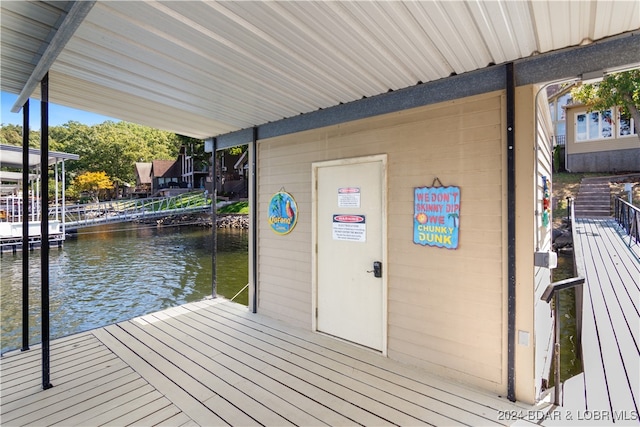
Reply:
x=76, y=14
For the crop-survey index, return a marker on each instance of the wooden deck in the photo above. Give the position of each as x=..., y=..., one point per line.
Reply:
x=610, y=385
x=214, y=363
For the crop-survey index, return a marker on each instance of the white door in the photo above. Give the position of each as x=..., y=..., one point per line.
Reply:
x=350, y=263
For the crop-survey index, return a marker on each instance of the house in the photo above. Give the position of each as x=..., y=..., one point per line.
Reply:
x=559, y=97
x=600, y=141
x=194, y=172
x=143, y=179
x=170, y=177
x=233, y=172
x=166, y=177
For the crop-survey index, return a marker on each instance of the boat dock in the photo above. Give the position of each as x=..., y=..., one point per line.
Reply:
x=215, y=363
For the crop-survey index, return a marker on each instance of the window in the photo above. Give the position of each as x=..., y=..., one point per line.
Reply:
x=594, y=125
x=626, y=126
x=563, y=101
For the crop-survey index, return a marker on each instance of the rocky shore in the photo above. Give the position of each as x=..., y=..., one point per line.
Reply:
x=202, y=220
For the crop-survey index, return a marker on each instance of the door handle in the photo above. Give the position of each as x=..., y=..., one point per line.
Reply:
x=377, y=269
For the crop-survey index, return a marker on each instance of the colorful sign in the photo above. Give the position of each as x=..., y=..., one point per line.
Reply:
x=436, y=216
x=349, y=228
x=283, y=212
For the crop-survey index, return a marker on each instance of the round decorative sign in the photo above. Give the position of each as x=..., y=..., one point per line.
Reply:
x=283, y=212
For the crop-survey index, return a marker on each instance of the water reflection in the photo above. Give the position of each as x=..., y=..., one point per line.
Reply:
x=112, y=273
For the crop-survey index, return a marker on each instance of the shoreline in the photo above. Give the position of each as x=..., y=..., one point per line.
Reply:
x=237, y=221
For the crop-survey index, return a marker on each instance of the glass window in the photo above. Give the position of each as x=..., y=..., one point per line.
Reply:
x=594, y=125
x=607, y=122
x=626, y=125
x=562, y=102
x=581, y=127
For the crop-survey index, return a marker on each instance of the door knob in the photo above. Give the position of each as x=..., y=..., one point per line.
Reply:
x=377, y=269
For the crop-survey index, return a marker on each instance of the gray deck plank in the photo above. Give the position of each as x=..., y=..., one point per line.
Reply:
x=240, y=375
x=419, y=407
x=187, y=401
x=35, y=399
x=152, y=409
x=213, y=363
x=315, y=401
x=281, y=362
x=611, y=323
x=72, y=403
x=183, y=362
x=371, y=363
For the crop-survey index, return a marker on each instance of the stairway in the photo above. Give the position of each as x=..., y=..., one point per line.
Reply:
x=594, y=198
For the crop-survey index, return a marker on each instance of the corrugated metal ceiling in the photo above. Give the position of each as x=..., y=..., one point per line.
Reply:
x=204, y=68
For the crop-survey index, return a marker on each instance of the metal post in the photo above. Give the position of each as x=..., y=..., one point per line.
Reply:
x=556, y=346
x=214, y=218
x=254, y=217
x=44, y=229
x=25, y=226
x=55, y=169
x=511, y=232
x=64, y=204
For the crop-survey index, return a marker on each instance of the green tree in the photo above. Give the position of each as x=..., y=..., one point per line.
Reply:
x=12, y=135
x=113, y=147
x=618, y=89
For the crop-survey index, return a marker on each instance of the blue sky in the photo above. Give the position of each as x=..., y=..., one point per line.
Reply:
x=58, y=115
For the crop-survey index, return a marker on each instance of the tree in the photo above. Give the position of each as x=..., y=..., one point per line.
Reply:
x=618, y=89
x=113, y=147
x=12, y=135
x=93, y=183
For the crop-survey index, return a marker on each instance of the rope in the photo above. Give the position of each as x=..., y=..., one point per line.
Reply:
x=240, y=291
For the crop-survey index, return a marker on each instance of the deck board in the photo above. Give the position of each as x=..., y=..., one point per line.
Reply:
x=214, y=363
x=402, y=396
x=611, y=320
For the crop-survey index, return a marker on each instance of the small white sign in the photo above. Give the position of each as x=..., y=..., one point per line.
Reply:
x=350, y=228
x=349, y=197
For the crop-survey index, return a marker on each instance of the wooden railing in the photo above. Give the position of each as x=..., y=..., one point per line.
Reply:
x=628, y=217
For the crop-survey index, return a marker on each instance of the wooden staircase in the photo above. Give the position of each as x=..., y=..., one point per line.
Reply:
x=594, y=198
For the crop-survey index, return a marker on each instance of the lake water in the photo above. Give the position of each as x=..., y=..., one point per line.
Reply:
x=117, y=272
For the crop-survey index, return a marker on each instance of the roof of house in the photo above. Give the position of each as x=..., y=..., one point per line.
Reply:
x=165, y=168
x=143, y=172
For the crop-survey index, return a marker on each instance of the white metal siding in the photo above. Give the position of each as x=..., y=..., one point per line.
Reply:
x=207, y=68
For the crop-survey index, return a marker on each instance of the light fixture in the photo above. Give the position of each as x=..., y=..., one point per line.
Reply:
x=592, y=77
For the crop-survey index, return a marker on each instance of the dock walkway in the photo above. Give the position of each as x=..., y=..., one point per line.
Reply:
x=610, y=384
x=214, y=363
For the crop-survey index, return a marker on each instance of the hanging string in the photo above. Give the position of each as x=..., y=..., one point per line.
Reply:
x=436, y=179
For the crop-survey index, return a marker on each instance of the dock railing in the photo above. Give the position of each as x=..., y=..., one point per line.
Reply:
x=628, y=217
x=552, y=292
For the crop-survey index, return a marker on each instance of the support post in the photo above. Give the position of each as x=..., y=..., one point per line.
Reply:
x=254, y=218
x=64, y=204
x=44, y=229
x=214, y=219
x=556, y=347
x=25, y=226
x=511, y=233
